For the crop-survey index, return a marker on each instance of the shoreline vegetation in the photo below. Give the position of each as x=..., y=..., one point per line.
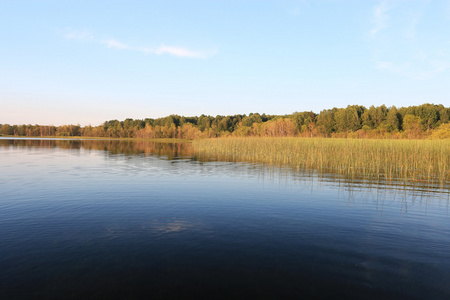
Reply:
x=427, y=121
x=409, y=144
x=75, y=138
x=426, y=161
x=416, y=161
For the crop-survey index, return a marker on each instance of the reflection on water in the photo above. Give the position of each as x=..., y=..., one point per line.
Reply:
x=175, y=225
x=136, y=220
x=111, y=147
x=135, y=149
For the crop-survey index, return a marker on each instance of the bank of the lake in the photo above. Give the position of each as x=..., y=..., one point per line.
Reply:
x=156, y=140
x=388, y=159
x=416, y=160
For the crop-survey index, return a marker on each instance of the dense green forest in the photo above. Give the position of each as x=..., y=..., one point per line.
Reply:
x=354, y=121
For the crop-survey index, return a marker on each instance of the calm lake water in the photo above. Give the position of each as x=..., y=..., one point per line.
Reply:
x=140, y=220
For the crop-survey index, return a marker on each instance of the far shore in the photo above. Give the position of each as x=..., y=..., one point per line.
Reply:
x=159, y=140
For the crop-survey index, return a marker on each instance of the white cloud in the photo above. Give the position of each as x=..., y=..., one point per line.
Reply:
x=163, y=49
x=79, y=35
x=414, y=70
x=182, y=52
x=177, y=51
x=112, y=43
x=380, y=17
x=392, y=67
x=405, y=49
x=413, y=21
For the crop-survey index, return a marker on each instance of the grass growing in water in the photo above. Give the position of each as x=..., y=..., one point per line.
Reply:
x=417, y=160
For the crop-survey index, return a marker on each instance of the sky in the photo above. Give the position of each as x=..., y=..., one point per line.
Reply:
x=85, y=62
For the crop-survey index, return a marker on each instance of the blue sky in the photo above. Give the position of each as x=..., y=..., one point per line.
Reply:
x=69, y=62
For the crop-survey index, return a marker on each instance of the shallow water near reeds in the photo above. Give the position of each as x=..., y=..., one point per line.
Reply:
x=89, y=219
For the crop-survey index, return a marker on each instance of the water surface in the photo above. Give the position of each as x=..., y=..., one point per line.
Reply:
x=138, y=220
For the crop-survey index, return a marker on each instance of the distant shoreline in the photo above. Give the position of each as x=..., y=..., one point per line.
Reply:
x=159, y=140
x=355, y=121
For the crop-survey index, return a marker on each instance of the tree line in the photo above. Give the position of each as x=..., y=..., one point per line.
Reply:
x=354, y=121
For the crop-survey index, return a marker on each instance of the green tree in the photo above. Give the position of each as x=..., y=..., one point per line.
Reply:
x=6, y=129
x=380, y=115
x=429, y=114
x=326, y=119
x=204, y=122
x=368, y=116
x=393, y=119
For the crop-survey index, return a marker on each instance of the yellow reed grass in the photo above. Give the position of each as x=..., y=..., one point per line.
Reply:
x=416, y=160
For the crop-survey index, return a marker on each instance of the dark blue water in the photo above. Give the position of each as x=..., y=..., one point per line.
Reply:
x=126, y=220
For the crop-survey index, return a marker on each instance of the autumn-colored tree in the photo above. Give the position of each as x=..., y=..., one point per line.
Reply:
x=413, y=126
x=6, y=129
x=442, y=132
x=279, y=127
x=352, y=121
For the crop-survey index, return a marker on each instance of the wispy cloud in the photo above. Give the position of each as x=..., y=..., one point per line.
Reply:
x=415, y=70
x=178, y=51
x=380, y=17
x=159, y=50
x=163, y=49
x=400, y=69
x=112, y=43
x=82, y=35
x=403, y=49
x=413, y=22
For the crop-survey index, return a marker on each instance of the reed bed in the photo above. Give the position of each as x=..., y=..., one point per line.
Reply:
x=411, y=160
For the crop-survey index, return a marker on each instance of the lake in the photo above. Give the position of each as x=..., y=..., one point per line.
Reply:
x=104, y=219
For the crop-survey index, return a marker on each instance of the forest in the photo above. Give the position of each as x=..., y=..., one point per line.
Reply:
x=354, y=121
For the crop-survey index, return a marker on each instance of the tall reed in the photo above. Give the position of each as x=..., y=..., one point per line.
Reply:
x=416, y=160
